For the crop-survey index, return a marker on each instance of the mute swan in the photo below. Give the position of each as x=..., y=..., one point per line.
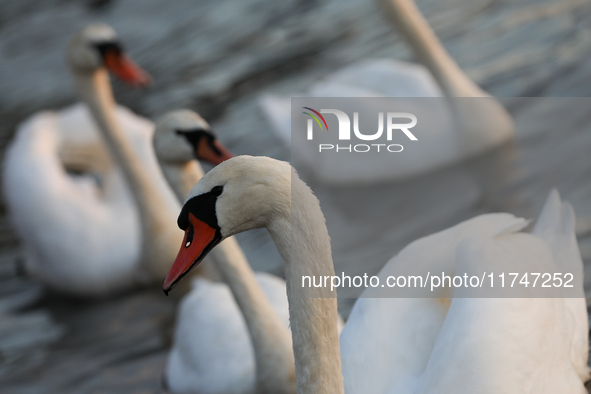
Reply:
x=219, y=358
x=67, y=198
x=405, y=345
x=156, y=202
x=463, y=127
x=505, y=345
x=70, y=224
x=267, y=186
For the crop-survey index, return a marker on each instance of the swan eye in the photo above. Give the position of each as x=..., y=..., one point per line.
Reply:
x=216, y=191
x=194, y=136
x=108, y=46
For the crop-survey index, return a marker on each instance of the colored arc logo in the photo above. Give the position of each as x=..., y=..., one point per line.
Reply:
x=316, y=118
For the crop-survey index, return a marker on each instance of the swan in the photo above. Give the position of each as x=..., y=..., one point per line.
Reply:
x=218, y=358
x=461, y=128
x=268, y=201
x=66, y=196
x=463, y=345
x=466, y=345
x=156, y=202
x=66, y=199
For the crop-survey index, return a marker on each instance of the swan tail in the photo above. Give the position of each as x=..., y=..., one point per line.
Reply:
x=556, y=226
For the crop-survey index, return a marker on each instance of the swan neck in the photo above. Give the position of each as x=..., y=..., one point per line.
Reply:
x=95, y=90
x=270, y=338
x=407, y=18
x=181, y=176
x=303, y=242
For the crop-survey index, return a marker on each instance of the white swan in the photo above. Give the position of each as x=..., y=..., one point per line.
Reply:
x=506, y=345
x=462, y=127
x=219, y=357
x=157, y=203
x=266, y=184
x=67, y=198
x=406, y=345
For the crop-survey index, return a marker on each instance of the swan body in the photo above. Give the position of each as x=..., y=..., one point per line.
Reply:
x=67, y=200
x=449, y=345
x=435, y=345
x=207, y=357
x=70, y=226
x=464, y=128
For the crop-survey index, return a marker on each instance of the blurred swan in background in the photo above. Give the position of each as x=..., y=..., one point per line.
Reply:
x=463, y=127
x=218, y=357
x=392, y=345
x=68, y=197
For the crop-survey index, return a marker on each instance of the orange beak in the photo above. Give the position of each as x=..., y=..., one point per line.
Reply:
x=199, y=239
x=215, y=155
x=125, y=69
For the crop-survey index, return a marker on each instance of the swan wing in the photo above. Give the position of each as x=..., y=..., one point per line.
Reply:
x=81, y=235
x=387, y=342
x=211, y=351
x=503, y=345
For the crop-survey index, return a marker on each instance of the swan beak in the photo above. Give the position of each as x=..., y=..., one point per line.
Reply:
x=125, y=69
x=214, y=153
x=199, y=239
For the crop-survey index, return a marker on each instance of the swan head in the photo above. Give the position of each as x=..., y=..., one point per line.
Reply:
x=97, y=46
x=240, y=194
x=182, y=136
